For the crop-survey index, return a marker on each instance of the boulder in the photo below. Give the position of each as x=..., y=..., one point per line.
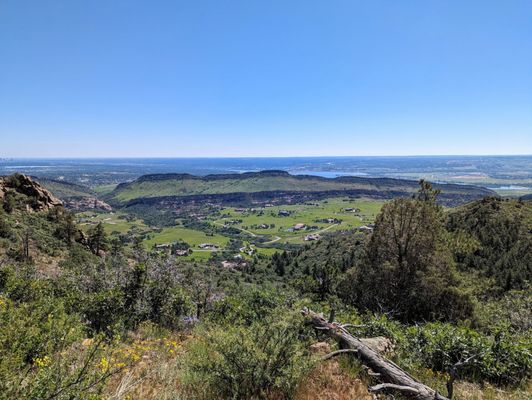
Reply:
x=41, y=198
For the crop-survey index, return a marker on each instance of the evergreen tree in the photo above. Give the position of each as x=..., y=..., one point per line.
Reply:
x=408, y=269
x=97, y=239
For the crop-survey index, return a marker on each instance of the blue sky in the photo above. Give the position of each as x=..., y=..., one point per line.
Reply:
x=265, y=78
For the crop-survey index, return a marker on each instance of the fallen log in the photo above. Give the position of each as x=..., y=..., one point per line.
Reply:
x=392, y=377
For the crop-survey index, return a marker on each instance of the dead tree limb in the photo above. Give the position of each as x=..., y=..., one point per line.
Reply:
x=393, y=378
x=338, y=352
x=453, y=373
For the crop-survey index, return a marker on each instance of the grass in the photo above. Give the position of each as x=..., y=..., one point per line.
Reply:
x=307, y=214
x=104, y=189
x=112, y=222
x=191, y=236
x=187, y=187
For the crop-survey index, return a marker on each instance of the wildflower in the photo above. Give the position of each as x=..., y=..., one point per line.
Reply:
x=104, y=364
x=42, y=362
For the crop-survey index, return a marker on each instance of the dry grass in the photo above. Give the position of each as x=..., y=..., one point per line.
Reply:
x=470, y=391
x=328, y=381
x=155, y=375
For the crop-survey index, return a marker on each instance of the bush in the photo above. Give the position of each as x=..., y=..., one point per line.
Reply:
x=252, y=304
x=246, y=362
x=502, y=359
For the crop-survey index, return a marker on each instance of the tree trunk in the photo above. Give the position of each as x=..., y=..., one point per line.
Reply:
x=392, y=377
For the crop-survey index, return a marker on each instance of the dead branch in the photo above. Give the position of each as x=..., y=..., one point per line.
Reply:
x=337, y=352
x=390, y=386
x=392, y=377
x=453, y=374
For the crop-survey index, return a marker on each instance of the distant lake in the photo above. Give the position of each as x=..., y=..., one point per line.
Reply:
x=510, y=172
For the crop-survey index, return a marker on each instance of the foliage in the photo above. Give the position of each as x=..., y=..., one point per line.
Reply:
x=408, y=268
x=252, y=304
x=247, y=362
x=501, y=359
x=501, y=229
x=41, y=356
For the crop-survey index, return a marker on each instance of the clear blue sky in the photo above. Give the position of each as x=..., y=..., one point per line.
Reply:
x=265, y=77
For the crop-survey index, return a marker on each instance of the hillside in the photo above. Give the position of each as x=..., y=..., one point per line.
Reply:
x=185, y=185
x=81, y=314
x=499, y=233
x=74, y=197
x=64, y=189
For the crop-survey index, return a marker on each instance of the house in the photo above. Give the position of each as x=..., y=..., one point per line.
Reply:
x=312, y=237
x=365, y=228
x=182, y=253
x=283, y=213
x=298, y=227
x=163, y=248
x=208, y=246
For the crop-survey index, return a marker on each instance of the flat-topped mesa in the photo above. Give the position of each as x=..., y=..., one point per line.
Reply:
x=42, y=199
x=211, y=177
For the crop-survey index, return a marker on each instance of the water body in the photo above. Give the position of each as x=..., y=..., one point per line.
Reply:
x=492, y=171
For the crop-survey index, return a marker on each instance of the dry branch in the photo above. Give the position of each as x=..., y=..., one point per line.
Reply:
x=393, y=378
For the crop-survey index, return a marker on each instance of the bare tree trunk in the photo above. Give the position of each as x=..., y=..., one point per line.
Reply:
x=393, y=378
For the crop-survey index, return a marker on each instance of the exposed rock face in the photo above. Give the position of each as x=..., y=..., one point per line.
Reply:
x=86, y=203
x=42, y=199
x=380, y=344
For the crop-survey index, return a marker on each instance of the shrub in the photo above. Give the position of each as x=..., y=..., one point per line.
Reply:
x=501, y=359
x=246, y=362
x=252, y=304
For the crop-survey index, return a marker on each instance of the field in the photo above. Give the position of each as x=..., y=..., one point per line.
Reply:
x=269, y=225
x=112, y=222
x=312, y=215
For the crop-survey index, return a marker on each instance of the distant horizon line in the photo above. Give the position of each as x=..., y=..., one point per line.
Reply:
x=3, y=158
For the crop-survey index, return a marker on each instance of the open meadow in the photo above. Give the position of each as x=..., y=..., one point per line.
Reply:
x=261, y=227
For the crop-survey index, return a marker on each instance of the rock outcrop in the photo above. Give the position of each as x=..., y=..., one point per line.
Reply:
x=86, y=203
x=40, y=198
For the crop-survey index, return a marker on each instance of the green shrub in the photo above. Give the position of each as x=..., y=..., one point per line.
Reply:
x=246, y=362
x=252, y=304
x=503, y=359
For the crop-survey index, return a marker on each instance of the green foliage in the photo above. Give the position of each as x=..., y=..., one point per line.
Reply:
x=512, y=312
x=266, y=358
x=408, y=269
x=252, y=304
x=501, y=229
x=97, y=239
x=33, y=330
x=40, y=354
x=501, y=359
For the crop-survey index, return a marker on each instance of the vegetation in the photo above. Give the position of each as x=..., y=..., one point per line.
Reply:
x=183, y=185
x=500, y=233
x=85, y=314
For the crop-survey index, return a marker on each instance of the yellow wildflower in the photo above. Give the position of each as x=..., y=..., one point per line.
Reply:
x=42, y=362
x=104, y=364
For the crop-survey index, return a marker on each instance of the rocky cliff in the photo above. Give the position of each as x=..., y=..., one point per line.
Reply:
x=41, y=198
